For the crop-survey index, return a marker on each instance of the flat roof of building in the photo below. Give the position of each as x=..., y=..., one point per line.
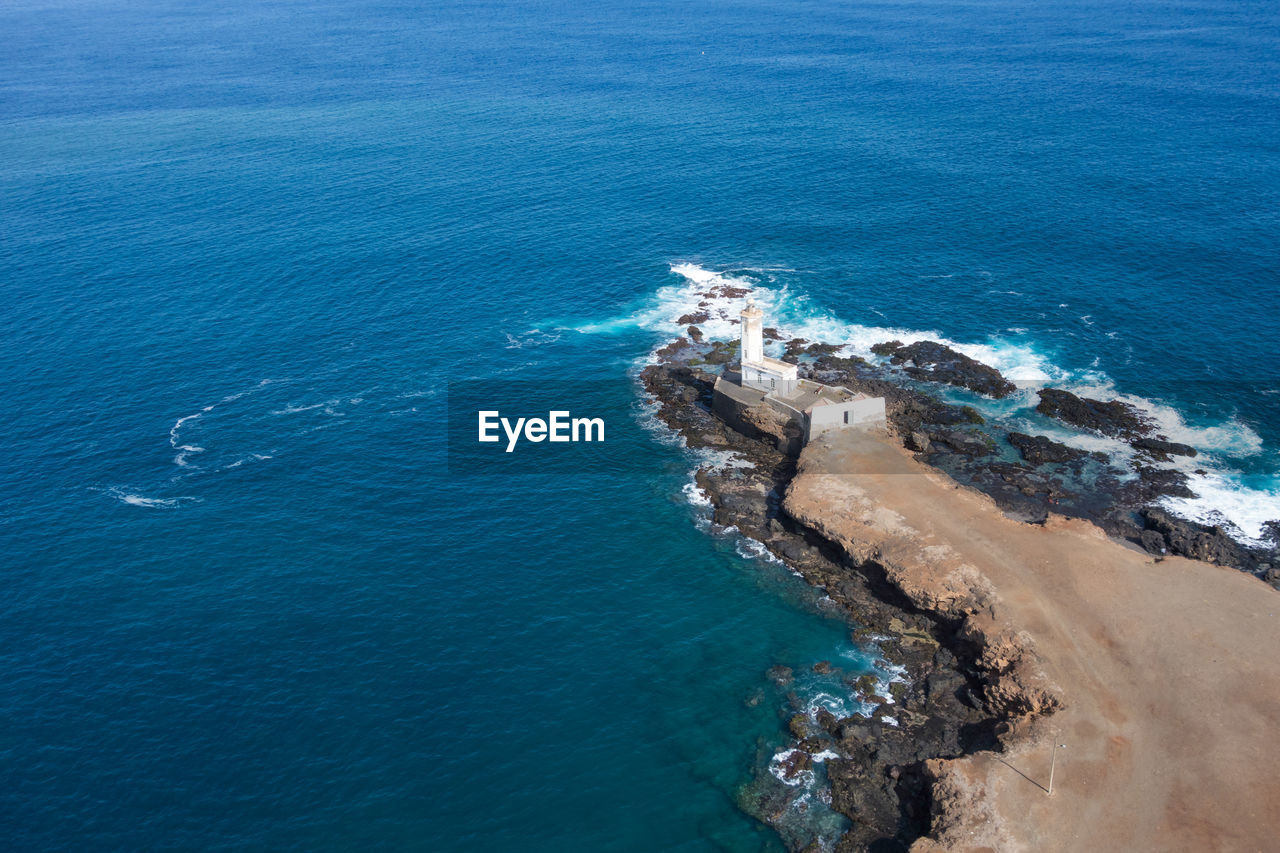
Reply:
x=803, y=397
x=773, y=364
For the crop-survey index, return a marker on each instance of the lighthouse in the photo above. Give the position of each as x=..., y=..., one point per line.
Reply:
x=752, y=333
x=767, y=396
x=758, y=370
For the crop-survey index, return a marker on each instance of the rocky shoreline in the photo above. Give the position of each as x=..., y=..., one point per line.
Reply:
x=971, y=685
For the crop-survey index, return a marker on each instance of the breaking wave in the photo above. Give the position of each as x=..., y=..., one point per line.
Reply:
x=1224, y=495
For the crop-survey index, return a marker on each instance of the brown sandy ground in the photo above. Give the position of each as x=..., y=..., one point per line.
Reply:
x=1168, y=672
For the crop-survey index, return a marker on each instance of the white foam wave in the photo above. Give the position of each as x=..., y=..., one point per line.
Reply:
x=752, y=549
x=531, y=338
x=835, y=704
x=135, y=499
x=1230, y=437
x=294, y=410
x=696, y=496
x=1222, y=497
x=139, y=500
x=1223, y=501
x=184, y=450
x=258, y=457
x=795, y=316
x=778, y=769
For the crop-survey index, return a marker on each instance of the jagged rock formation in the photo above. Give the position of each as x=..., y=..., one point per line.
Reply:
x=1113, y=418
x=935, y=362
x=977, y=682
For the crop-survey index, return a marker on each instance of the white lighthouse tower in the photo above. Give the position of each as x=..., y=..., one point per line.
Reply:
x=752, y=333
x=758, y=370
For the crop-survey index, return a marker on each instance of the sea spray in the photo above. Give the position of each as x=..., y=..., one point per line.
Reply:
x=1225, y=496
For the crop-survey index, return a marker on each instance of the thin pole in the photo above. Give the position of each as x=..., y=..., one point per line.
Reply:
x=1052, y=763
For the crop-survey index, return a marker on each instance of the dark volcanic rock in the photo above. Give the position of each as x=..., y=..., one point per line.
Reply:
x=694, y=318
x=1271, y=531
x=887, y=347
x=973, y=444
x=770, y=334
x=919, y=441
x=1154, y=542
x=907, y=409
x=1162, y=450
x=863, y=792
x=1197, y=541
x=935, y=362
x=672, y=348
x=795, y=347
x=819, y=350
x=1114, y=418
x=723, y=352
x=780, y=675
x=880, y=782
x=1162, y=482
x=1039, y=449
x=695, y=334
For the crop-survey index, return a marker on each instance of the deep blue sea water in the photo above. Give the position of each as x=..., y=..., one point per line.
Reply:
x=256, y=255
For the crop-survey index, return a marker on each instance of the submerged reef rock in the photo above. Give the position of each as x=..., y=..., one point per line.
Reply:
x=935, y=362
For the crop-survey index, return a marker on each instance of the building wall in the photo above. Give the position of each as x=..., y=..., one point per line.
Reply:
x=742, y=409
x=743, y=415
x=866, y=412
x=764, y=379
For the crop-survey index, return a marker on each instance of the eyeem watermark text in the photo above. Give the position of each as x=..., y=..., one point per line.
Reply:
x=559, y=426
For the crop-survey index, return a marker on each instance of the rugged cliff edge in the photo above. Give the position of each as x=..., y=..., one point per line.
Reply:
x=1063, y=619
x=1001, y=623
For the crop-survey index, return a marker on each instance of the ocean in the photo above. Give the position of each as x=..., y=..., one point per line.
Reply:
x=263, y=262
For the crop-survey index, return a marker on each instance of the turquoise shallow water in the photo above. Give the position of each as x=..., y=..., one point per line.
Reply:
x=255, y=255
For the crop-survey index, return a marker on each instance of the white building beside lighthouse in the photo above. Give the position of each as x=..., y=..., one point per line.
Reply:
x=767, y=398
x=758, y=370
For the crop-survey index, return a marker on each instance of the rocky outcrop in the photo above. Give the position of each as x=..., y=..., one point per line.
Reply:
x=935, y=362
x=721, y=352
x=971, y=676
x=1039, y=449
x=907, y=409
x=877, y=781
x=1111, y=418
x=672, y=349
x=1162, y=450
x=1065, y=480
x=1165, y=533
x=965, y=441
x=961, y=811
x=933, y=579
x=887, y=348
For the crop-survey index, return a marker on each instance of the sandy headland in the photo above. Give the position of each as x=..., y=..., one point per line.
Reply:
x=1034, y=595
x=1162, y=678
